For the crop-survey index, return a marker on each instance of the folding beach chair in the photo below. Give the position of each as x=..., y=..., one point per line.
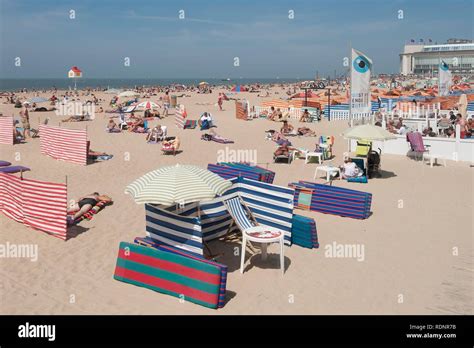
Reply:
x=363, y=148
x=416, y=144
x=252, y=231
x=122, y=123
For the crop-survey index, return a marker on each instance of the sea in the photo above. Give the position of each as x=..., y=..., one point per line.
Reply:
x=66, y=83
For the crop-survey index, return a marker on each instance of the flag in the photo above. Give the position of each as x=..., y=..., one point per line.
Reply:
x=445, y=79
x=360, y=82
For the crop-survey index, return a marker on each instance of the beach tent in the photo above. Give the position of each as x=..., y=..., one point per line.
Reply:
x=239, y=88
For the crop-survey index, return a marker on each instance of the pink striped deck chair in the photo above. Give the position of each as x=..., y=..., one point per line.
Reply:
x=416, y=144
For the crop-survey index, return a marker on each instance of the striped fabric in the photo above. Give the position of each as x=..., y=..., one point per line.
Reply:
x=470, y=106
x=45, y=207
x=37, y=204
x=303, y=232
x=271, y=205
x=11, y=197
x=223, y=268
x=176, y=184
x=416, y=142
x=241, y=110
x=64, y=144
x=180, y=116
x=170, y=273
x=6, y=130
x=175, y=230
x=229, y=170
x=238, y=213
x=333, y=200
x=215, y=219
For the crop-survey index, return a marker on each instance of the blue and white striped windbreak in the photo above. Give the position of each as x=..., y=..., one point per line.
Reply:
x=175, y=230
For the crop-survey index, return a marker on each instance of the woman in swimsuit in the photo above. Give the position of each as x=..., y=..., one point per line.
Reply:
x=84, y=204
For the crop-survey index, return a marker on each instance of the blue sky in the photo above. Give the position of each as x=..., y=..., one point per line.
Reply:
x=204, y=44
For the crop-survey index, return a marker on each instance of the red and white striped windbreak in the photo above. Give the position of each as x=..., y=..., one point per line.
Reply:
x=37, y=204
x=6, y=130
x=180, y=116
x=64, y=144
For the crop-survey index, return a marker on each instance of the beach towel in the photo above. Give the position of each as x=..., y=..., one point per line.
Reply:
x=216, y=138
x=90, y=214
x=190, y=124
x=170, y=272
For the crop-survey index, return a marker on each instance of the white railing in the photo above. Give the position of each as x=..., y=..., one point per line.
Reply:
x=338, y=115
x=455, y=149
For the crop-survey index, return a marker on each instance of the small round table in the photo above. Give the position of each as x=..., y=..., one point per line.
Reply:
x=328, y=170
x=263, y=235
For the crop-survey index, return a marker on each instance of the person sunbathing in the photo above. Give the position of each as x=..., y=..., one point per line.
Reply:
x=140, y=122
x=171, y=144
x=305, y=116
x=85, y=203
x=287, y=129
x=155, y=134
x=306, y=132
x=112, y=127
x=273, y=114
x=283, y=150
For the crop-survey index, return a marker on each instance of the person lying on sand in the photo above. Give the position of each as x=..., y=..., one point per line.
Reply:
x=84, y=204
x=173, y=143
x=306, y=132
x=283, y=150
x=139, y=122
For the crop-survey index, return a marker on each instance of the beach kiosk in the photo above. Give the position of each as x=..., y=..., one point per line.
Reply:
x=74, y=73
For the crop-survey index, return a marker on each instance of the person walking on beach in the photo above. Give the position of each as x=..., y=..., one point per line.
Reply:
x=25, y=122
x=166, y=103
x=220, y=101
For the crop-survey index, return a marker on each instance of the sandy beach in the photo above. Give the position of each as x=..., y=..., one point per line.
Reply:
x=420, y=217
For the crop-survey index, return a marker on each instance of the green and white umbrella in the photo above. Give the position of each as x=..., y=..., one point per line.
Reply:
x=178, y=184
x=368, y=132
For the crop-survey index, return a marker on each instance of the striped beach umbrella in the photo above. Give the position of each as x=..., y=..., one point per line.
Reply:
x=147, y=105
x=178, y=184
